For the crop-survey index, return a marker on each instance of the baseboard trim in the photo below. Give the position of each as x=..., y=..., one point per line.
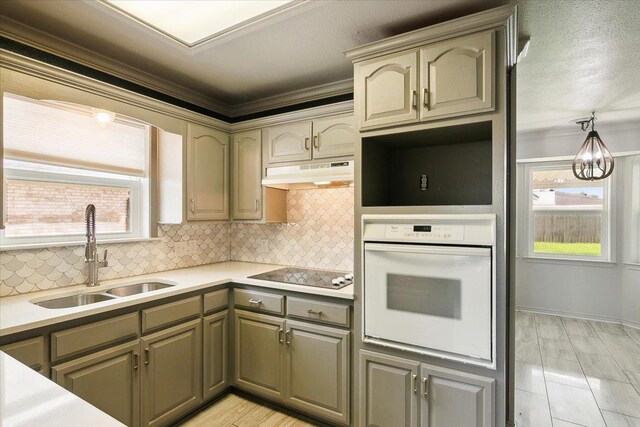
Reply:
x=578, y=315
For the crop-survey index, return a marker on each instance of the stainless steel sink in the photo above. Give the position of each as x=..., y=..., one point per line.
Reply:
x=75, y=300
x=137, y=288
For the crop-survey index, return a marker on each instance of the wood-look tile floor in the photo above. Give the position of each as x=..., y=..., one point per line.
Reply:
x=574, y=372
x=237, y=411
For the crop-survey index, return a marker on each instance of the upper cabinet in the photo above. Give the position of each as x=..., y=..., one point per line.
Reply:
x=457, y=76
x=207, y=173
x=386, y=90
x=444, y=79
x=247, y=175
x=322, y=138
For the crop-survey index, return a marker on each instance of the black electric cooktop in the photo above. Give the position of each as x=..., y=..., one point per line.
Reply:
x=308, y=277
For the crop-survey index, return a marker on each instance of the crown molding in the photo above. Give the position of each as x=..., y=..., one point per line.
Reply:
x=492, y=18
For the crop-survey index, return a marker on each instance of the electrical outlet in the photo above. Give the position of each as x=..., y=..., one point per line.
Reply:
x=263, y=246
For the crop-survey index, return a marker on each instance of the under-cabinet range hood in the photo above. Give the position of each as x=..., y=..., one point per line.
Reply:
x=306, y=176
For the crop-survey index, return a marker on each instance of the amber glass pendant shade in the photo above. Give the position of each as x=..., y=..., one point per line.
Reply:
x=593, y=161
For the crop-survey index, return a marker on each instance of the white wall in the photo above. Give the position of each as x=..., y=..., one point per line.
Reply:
x=608, y=291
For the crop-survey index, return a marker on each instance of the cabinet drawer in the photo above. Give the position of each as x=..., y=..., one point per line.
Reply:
x=93, y=336
x=168, y=314
x=30, y=352
x=325, y=312
x=216, y=300
x=259, y=301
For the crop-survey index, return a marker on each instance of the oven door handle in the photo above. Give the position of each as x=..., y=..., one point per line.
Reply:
x=428, y=249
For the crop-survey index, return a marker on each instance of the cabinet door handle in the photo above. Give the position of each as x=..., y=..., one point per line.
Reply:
x=255, y=301
x=414, y=378
x=415, y=100
x=425, y=98
x=425, y=384
x=257, y=205
x=146, y=356
x=316, y=142
x=136, y=360
x=311, y=311
x=280, y=338
x=287, y=337
x=306, y=144
x=192, y=205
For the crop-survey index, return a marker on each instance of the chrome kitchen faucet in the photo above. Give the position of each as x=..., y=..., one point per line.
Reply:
x=90, y=248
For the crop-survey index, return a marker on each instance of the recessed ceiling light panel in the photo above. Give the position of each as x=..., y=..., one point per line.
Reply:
x=192, y=22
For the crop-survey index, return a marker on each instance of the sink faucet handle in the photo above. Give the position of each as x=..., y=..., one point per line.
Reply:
x=105, y=254
x=104, y=262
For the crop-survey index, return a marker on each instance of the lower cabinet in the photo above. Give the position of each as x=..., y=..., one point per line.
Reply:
x=299, y=364
x=171, y=376
x=109, y=380
x=214, y=343
x=441, y=397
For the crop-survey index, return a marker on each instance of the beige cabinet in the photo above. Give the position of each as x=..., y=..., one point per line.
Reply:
x=317, y=370
x=171, y=373
x=288, y=142
x=457, y=76
x=454, y=398
x=109, y=380
x=259, y=353
x=386, y=90
x=334, y=136
x=247, y=175
x=29, y=352
x=207, y=173
x=388, y=390
x=214, y=343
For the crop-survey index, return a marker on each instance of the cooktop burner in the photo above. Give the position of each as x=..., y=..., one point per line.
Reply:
x=308, y=277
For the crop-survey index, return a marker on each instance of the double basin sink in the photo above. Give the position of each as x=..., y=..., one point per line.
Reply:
x=94, y=297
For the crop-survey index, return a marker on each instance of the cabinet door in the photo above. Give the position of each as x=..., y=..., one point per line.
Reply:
x=325, y=391
x=215, y=354
x=388, y=391
x=385, y=90
x=334, y=137
x=259, y=351
x=453, y=398
x=247, y=175
x=457, y=76
x=207, y=173
x=289, y=142
x=109, y=380
x=172, y=380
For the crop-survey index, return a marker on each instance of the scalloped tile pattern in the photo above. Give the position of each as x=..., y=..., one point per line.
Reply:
x=35, y=270
x=319, y=233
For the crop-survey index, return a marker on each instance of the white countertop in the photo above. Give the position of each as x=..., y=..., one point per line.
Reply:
x=29, y=399
x=18, y=313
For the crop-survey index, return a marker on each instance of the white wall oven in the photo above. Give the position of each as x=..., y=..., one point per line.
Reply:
x=429, y=284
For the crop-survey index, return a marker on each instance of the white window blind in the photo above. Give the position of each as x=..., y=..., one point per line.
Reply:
x=41, y=132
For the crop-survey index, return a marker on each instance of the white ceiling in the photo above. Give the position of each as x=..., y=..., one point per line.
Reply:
x=583, y=54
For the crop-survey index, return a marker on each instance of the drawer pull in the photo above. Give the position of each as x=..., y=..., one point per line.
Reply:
x=311, y=311
x=255, y=301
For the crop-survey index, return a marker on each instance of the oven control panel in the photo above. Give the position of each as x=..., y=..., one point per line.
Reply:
x=425, y=232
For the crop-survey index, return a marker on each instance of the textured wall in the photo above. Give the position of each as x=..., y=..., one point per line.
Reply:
x=319, y=233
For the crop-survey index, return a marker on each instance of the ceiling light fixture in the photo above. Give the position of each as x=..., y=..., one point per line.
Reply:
x=103, y=117
x=593, y=161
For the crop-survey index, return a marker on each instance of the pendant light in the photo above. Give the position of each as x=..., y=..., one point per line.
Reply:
x=593, y=161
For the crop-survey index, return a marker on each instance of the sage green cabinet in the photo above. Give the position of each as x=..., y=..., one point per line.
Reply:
x=247, y=175
x=171, y=373
x=388, y=390
x=29, y=352
x=259, y=353
x=334, y=136
x=215, y=336
x=317, y=370
x=207, y=173
x=457, y=76
x=288, y=142
x=109, y=380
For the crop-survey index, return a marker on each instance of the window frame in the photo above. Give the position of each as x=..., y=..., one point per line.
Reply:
x=136, y=224
x=608, y=212
x=632, y=199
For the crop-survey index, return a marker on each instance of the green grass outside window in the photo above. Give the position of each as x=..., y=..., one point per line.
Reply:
x=588, y=249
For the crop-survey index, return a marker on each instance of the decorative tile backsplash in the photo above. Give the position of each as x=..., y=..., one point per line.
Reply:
x=319, y=235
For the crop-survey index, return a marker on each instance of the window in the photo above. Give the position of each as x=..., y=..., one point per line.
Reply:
x=567, y=217
x=58, y=159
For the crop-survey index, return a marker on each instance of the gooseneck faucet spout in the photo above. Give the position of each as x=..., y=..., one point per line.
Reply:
x=91, y=249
